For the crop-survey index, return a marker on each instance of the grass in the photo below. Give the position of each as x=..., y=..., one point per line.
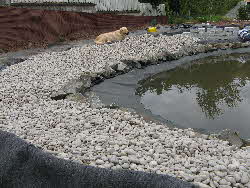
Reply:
x=200, y=19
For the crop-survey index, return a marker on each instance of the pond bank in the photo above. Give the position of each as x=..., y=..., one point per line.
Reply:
x=105, y=137
x=121, y=89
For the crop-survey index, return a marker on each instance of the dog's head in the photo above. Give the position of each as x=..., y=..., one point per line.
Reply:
x=124, y=31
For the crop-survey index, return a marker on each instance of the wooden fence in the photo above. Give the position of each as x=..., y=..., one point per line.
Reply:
x=133, y=7
x=101, y=5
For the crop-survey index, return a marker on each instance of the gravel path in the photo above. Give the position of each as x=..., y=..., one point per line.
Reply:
x=111, y=138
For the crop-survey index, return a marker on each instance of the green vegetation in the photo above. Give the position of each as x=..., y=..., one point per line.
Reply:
x=61, y=38
x=180, y=11
x=244, y=12
x=199, y=19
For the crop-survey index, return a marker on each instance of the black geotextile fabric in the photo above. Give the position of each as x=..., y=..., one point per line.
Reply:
x=25, y=166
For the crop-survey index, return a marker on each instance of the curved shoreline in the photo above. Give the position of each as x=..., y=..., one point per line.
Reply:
x=103, y=137
x=120, y=90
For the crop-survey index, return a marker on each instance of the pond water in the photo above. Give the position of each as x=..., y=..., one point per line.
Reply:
x=212, y=93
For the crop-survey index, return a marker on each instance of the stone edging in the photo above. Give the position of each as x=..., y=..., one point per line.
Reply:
x=74, y=89
x=87, y=80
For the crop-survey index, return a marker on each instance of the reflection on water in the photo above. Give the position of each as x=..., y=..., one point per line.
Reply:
x=210, y=93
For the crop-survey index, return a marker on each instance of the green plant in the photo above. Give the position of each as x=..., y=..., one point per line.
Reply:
x=171, y=18
x=167, y=8
x=61, y=38
x=212, y=18
x=180, y=20
x=219, y=18
x=243, y=13
x=199, y=8
x=153, y=22
x=202, y=19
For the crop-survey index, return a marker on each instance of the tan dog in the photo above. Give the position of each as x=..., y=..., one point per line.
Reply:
x=112, y=36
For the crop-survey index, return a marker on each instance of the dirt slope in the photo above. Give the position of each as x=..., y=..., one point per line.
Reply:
x=26, y=28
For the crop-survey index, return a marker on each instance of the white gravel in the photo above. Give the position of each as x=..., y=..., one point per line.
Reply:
x=111, y=138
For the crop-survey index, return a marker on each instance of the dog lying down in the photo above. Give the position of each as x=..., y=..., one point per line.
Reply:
x=117, y=35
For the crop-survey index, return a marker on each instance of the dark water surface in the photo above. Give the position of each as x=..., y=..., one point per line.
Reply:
x=212, y=93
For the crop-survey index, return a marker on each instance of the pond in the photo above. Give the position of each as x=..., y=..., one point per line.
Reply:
x=212, y=93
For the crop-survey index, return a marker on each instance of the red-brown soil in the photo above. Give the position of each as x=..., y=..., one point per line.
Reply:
x=28, y=28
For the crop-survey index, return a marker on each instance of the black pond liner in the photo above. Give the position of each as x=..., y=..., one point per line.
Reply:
x=10, y=61
x=22, y=165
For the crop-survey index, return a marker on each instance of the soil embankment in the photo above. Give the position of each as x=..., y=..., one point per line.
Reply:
x=26, y=28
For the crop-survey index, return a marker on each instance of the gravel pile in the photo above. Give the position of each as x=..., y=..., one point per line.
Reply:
x=111, y=138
